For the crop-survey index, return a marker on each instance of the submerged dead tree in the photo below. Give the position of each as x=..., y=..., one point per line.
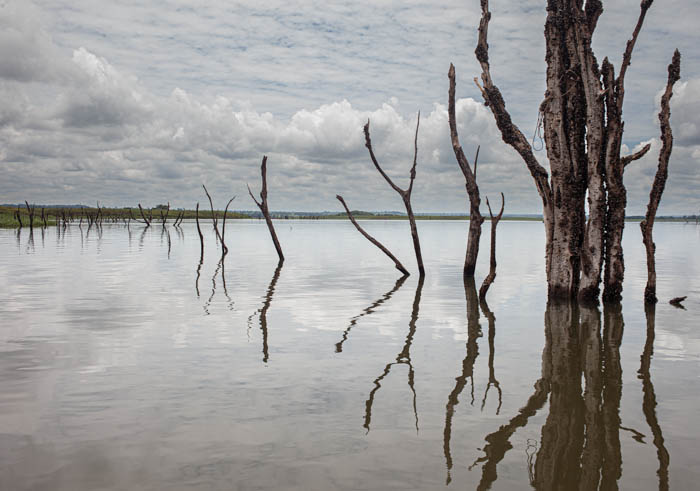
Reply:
x=404, y=193
x=374, y=241
x=30, y=212
x=475, y=218
x=199, y=231
x=262, y=204
x=657, y=189
x=582, y=117
x=492, y=264
x=215, y=222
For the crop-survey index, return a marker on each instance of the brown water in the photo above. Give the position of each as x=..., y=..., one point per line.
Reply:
x=125, y=365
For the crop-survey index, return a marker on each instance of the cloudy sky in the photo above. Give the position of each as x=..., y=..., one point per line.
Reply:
x=140, y=101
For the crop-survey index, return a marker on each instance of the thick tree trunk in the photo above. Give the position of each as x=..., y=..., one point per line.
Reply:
x=582, y=117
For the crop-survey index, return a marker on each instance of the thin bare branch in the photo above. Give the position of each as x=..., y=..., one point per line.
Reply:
x=510, y=133
x=374, y=241
x=201, y=237
x=627, y=56
x=143, y=215
x=224, y=249
x=213, y=214
x=368, y=144
x=492, y=268
x=415, y=157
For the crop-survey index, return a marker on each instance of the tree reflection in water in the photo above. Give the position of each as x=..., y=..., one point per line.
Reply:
x=580, y=442
x=367, y=311
x=262, y=311
x=403, y=358
x=473, y=333
x=649, y=400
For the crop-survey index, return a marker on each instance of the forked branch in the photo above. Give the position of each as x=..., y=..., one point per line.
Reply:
x=492, y=268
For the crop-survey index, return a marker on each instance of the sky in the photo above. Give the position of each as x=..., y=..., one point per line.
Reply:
x=127, y=101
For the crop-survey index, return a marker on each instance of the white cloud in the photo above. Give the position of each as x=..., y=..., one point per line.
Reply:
x=166, y=97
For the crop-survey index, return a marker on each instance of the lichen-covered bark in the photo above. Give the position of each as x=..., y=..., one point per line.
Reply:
x=582, y=118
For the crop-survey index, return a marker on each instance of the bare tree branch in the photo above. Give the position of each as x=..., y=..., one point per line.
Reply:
x=657, y=189
x=265, y=210
x=374, y=241
x=492, y=267
x=143, y=215
x=475, y=218
x=628, y=159
x=510, y=133
x=405, y=194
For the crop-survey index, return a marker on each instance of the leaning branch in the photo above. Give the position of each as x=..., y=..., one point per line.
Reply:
x=262, y=204
x=627, y=55
x=143, y=215
x=374, y=241
x=510, y=133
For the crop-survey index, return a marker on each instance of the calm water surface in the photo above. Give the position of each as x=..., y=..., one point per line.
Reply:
x=124, y=364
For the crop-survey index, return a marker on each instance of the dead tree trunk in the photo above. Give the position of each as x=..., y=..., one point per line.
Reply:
x=224, y=249
x=30, y=211
x=215, y=221
x=43, y=218
x=374, y=241
x=657, y=189
x=262, y=204
x=199, y=231
x=475, y=218
x=18, y=217
x=582, y=117
x=143, y=215
x=492, y=268
x=164, y=217
x=404, y=193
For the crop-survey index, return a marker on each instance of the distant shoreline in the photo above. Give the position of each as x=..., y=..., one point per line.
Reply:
x=123, y=215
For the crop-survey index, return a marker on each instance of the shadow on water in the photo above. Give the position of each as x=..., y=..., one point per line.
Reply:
x=367, y=311
x=580, y=439
x=403, y=358
x=262, y=311
x=649, y=399
x=473, y=333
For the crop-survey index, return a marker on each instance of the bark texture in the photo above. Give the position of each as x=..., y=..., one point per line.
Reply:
x=657, y=189
x=475, y=218
x=582, y=118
